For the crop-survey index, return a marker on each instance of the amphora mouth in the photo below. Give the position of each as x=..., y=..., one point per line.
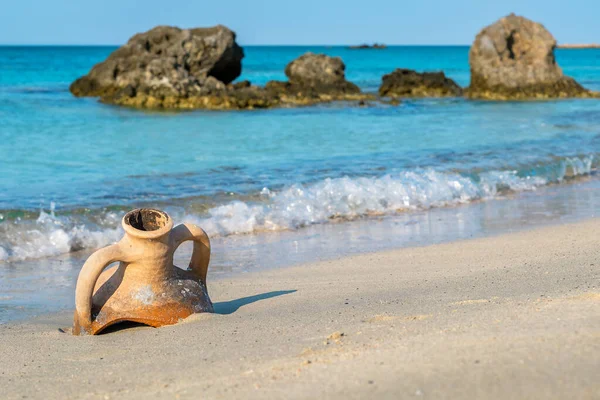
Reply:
x=147, y=223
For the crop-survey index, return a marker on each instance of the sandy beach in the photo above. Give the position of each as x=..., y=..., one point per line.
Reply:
x=512, y=316
x=415, y=222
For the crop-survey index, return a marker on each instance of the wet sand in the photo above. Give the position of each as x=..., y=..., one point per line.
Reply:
x=512, y=316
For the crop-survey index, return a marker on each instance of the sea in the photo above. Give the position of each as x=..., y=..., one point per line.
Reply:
x=279, y=187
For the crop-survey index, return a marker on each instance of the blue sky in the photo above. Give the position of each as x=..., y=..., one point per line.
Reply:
x=287, y=22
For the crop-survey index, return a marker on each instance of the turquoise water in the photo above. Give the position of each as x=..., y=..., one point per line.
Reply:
x=69, y=167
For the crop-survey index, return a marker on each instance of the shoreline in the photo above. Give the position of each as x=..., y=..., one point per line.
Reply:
x=575, y=46
x=516, y=313
x=41, y=286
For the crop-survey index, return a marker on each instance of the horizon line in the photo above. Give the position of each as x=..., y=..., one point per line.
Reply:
x=243, y=45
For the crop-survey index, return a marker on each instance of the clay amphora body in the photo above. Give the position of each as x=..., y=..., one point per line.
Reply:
x=145, y=287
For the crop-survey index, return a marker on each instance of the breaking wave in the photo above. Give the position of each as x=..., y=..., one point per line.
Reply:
x=49, y=235
x=292, y=207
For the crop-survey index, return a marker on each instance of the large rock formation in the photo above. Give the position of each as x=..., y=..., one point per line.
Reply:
x=174, y=68
x=166, y=62
x=514, y=59
x=409, y=83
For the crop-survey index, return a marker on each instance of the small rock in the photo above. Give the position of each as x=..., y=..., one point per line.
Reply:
x=334, y=337
x=321, y=73
x=409, y=83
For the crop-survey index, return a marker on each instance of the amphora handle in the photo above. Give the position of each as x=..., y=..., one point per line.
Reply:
x=201, y=253
x=86, y=282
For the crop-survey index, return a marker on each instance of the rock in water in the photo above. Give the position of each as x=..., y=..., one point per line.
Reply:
x=365, y=46
x=314, y=78
x=409, y=83
x=174, y=68
x=166, y=62
x=320, y=72
x=514, y=59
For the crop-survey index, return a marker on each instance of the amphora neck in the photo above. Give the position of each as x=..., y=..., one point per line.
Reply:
x=146, y=242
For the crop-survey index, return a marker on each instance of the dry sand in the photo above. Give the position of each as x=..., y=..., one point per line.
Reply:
x=514, y=316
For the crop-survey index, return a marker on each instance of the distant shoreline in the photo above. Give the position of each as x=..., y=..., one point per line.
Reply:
x=579, y=46
x=46, y=45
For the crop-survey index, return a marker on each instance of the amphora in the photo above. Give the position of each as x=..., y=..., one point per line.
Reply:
x=145, y=286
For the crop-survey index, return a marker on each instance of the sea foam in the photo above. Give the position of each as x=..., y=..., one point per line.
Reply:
x=292, y=207
x=50, y=235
